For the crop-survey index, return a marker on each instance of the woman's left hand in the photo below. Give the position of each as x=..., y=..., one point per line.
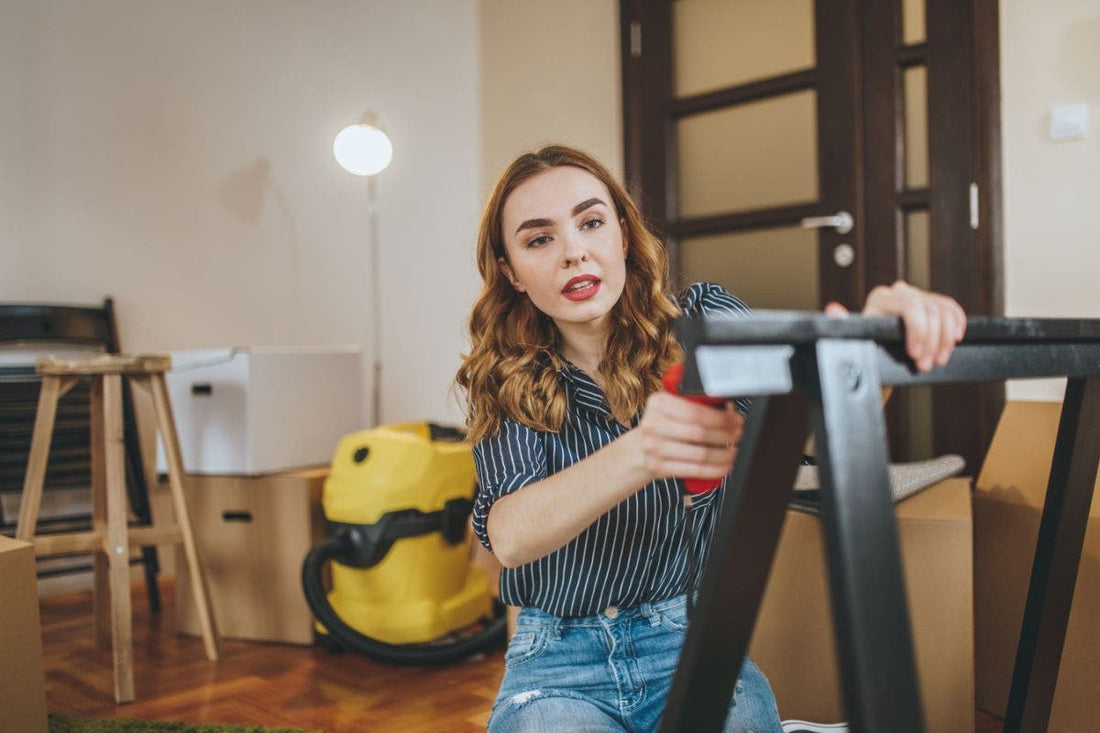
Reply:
x=933, y=323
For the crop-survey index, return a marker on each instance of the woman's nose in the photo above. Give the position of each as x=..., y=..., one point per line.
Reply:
x=574, y=251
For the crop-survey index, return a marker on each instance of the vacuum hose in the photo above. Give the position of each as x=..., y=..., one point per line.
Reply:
x=343, y=545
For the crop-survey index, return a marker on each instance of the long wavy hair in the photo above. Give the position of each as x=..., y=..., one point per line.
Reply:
x=514, y=360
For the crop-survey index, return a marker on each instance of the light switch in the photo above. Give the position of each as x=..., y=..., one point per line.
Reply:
x=1068, y=122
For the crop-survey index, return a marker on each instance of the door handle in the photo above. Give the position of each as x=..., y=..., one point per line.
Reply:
x=842, y=220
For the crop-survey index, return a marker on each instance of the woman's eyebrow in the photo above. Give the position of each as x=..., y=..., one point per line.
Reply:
x=587, y=203
x=536, y=223
x=533, y=224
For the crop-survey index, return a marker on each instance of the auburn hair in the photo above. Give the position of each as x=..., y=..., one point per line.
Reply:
x=514, y=360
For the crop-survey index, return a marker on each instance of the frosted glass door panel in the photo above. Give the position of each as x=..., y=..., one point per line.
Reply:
x=751, y=156
x=918, y=250
x=722, y=43
x=916, y=127
x=912, y=21
x=766, y=268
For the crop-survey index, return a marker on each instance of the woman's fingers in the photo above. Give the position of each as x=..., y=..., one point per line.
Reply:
x=933, y=323
x=691, y=454
x=683, y=460
x=696, y=434
x=673, y=469
x=686, y=439
x=673, y=408
x=915, y=319
x=933, y=333
x=954, y=328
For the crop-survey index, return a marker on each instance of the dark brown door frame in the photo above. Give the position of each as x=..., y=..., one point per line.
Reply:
x=966, y=264
x=647, y=96
x=966, y=260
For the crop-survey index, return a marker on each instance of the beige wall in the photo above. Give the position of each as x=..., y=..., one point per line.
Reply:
x=178, y=156
x=15, y=143
x=1050, y=51
x=550, y=72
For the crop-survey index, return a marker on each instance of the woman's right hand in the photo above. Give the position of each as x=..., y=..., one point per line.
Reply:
x=676, y=438
x=679, y=438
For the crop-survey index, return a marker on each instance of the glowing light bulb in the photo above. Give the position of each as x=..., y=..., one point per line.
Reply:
x=362, y=149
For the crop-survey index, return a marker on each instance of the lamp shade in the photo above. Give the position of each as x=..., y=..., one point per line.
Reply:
x=362, y=149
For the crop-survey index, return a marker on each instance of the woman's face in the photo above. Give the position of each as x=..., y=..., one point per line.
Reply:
x=566, y=247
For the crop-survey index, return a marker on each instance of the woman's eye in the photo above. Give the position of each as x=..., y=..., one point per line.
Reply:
x=538, y=241
x=592, y=223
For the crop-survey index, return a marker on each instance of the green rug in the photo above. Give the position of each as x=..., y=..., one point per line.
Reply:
x=65, y=724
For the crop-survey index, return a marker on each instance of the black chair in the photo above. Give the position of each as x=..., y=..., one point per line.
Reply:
x=45, y=328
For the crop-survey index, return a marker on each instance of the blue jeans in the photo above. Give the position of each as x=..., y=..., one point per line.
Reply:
x=609, y=673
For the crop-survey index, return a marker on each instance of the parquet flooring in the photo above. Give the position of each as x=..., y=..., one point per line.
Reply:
x=263, y=684
x=254, y=683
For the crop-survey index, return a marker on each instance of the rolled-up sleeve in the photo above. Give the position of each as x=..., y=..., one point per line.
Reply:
x=505, y=462
x=710, y=300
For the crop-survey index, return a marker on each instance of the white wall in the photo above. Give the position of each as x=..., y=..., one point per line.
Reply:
x=1050, y=55
x=178, y=156
x=550, y=72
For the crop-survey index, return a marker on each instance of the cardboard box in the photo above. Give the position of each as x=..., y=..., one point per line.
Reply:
x=252, y=534
x=1008, y=503
x=255, y=411
x=22, y=679
x=793, y=642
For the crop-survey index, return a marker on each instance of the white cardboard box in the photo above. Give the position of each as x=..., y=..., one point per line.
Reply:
x=260, y=410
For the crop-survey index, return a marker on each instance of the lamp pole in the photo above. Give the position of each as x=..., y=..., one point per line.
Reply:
x=365, y=150
x=376, y=304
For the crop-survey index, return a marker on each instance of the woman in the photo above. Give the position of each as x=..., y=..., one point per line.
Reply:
x=578, y=449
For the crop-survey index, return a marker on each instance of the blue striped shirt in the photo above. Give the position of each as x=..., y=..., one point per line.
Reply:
x=636, y=552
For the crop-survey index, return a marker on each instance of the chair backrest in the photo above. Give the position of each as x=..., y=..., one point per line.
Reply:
x=58, y=324
x=37, y=327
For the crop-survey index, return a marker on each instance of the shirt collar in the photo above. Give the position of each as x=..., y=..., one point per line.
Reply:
x=582, y=391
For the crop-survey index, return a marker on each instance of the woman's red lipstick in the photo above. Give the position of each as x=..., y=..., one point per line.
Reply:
x=581, y=287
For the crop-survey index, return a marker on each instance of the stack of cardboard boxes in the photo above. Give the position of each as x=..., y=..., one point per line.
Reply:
x=793, y=641
x=257, y=428
x=1008, y=504
x=253, y=532
x=966, y=584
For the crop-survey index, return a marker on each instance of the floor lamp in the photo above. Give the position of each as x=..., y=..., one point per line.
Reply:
x=365, y=150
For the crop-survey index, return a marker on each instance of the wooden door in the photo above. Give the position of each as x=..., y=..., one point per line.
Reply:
x=748, y=122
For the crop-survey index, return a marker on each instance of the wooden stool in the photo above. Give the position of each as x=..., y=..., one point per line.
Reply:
x=111, y=538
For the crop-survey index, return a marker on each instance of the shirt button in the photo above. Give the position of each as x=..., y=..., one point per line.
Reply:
x=611, y=612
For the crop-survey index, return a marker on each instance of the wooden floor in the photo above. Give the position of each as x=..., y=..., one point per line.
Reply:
x=262, y=684
x=254, y=683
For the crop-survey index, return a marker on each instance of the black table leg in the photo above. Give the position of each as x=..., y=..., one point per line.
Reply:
x=865, y=576
x=740, y=559
x=1057, y=555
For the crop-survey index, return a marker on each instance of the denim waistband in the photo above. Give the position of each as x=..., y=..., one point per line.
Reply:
x=649, y=611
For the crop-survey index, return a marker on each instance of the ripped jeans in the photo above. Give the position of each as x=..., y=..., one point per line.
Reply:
x=609, y=672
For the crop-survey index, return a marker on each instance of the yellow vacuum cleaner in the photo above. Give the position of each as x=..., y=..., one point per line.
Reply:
x=404, y=591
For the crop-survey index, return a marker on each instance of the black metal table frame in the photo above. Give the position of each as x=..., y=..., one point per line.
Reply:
x=806, y=369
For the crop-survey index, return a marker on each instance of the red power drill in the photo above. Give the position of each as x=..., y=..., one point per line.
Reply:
x=671, y=380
